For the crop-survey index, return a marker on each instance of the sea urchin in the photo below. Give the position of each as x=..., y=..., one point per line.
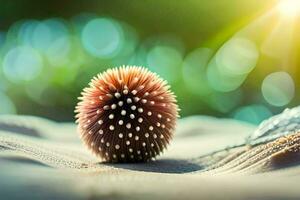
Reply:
x=127, y=114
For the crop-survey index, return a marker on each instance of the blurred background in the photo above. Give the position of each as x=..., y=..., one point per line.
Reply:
x=235, y=58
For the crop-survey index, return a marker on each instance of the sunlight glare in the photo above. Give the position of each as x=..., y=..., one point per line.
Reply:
x=289, y=8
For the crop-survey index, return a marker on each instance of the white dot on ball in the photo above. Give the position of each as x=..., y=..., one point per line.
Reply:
x=129, y=100
x=117, y=95
x=123, y=112
x=134, y=92
x=111, y=116
x=113, y=106
x=120, y=103
x=125, y=91
x=131, y=116
x=144, y=100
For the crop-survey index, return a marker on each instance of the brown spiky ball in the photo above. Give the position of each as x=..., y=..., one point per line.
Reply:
x=127, y=114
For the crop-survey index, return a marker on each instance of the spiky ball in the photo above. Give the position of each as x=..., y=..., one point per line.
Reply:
x=127, y=114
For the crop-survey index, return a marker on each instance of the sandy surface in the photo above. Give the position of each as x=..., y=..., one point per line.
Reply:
x=40, y=159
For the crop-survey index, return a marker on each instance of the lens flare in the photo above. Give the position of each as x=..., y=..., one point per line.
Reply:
x=289, y=8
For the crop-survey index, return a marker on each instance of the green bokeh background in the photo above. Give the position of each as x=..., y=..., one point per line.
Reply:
x=51, y=44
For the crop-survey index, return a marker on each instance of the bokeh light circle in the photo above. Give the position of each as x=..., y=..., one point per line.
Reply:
x=194, y=70
x=2, y=39
x=166, y=61
x=49, y=36
x=224, y=102
x=58, y=51
x=254, y=114
x=237, y=56
x=220, y=81
x=22, y=63
x=278, y=88
x=41, y=36
x=6, y=104
x=26, y=31
x=102, y=37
